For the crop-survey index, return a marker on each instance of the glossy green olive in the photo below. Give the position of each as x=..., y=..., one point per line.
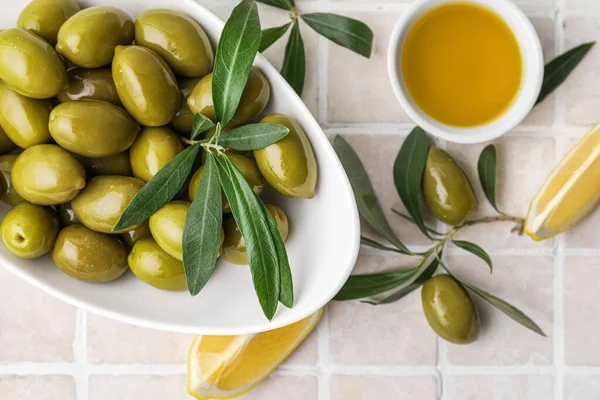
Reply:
x=23, y=119
x=254, y=99
x=248, y=169
x=184, y=118
x=447, y=190
x=117, y=164
x=167, y=226
x=9, y=194
x=178, y=39
x=29, y=65
x=92, y=128
x=47, y=175
x=234, y=246
x=66, y=215
x=45, y=17
x=100, y=205
x=449, y=310
x=29, y=230
x=132, y=236
x=89, y=256
x=90, y=84
x=150, y=263
x=146, y=85
x=289, y=165
x=6, y=145
x=88, y=39
x=152, y=150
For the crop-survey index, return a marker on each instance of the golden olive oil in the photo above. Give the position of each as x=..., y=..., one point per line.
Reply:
x=461, y=64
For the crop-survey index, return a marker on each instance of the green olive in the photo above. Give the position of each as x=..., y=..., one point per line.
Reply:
x=29, y=65
x=248, y=169
x=10, y=195
x=184, y=118
x=66, y=215
x=100, y=205
x=6, y=145
x=117, y=164
x=289, y=165
x=89, y=256
x=45, y=17
x=167, y=226
x=149, y=262
x=47, y=175
x=29, y=230
x=90, y=84
x=92, y=128
x=152, y=150
x=254, y=99
x=131, y=237
x=234, y=246
x=23, y=119
x=447, y=190
x=88, y=39
x=146, y=85
x=178, y=39
x=449, y=310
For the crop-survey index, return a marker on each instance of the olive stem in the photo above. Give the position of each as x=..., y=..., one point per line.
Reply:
x=501, y=218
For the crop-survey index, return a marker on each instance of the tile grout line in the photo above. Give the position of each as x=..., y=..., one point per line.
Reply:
x=323, y=370
x=80, y=355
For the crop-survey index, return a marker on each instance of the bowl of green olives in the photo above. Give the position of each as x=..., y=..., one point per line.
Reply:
x=95, y=97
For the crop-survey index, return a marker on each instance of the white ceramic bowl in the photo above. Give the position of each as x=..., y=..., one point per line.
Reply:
x=322, y=245
x=533, y=73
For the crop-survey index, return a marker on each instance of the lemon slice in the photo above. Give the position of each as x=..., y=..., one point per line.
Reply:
x=571, y=191
x=223, y=367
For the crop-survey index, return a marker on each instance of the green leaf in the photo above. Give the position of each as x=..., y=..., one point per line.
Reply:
x=408, y=173
x=271, y=35
x=487, y=173
x=200, y=125
x=294, y=61
x=284, y=4
x=376, y=245
x=235, y=54
x=260, y=246
x=160, y=189
x=506, y=308
x=361, y=286
x=476, y=250
x=253, y=136
x=347, y=32
x=557, y=70
x=366, y=200
x=202, y=231
x=409, y=219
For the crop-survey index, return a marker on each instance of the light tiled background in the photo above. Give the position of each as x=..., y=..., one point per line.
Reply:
x=52, y=351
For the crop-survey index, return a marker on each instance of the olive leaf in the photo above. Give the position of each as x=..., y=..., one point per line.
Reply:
x=376, y=245
x=361, y=286
x=200, y=125
x=476, y=250
x=294, y=61
x=408, y=173
x=235, y=54
x=409, y=219
x=366, y=200
x=557, y=70
x=160, y=189
x=260, y=246
x=202, y=231
x=252, y=136
x=486, y=167
x=271, y=35
x=346, y=32
x=284, y=4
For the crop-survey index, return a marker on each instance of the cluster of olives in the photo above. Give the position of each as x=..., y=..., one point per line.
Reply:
x=87, y=117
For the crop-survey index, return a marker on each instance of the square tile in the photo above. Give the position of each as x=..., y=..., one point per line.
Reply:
x=34, y=326
x=362, y=334
x=117, y=343
x=382, y=388
x=285, y=387
x=526, y=283
x=110, y=387
x=533, y=387
x=306, y=353
x=49, y=387
x=582, y=388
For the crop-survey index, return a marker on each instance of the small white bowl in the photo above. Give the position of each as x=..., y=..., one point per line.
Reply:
x=531, y=82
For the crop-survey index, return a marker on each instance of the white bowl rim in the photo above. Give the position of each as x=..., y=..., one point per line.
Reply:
x=531, y=83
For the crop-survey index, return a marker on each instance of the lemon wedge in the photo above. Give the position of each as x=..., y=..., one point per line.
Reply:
x=571, y=191
x=223, y=367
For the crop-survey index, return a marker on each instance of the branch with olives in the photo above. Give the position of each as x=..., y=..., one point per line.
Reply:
x=421, y=172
